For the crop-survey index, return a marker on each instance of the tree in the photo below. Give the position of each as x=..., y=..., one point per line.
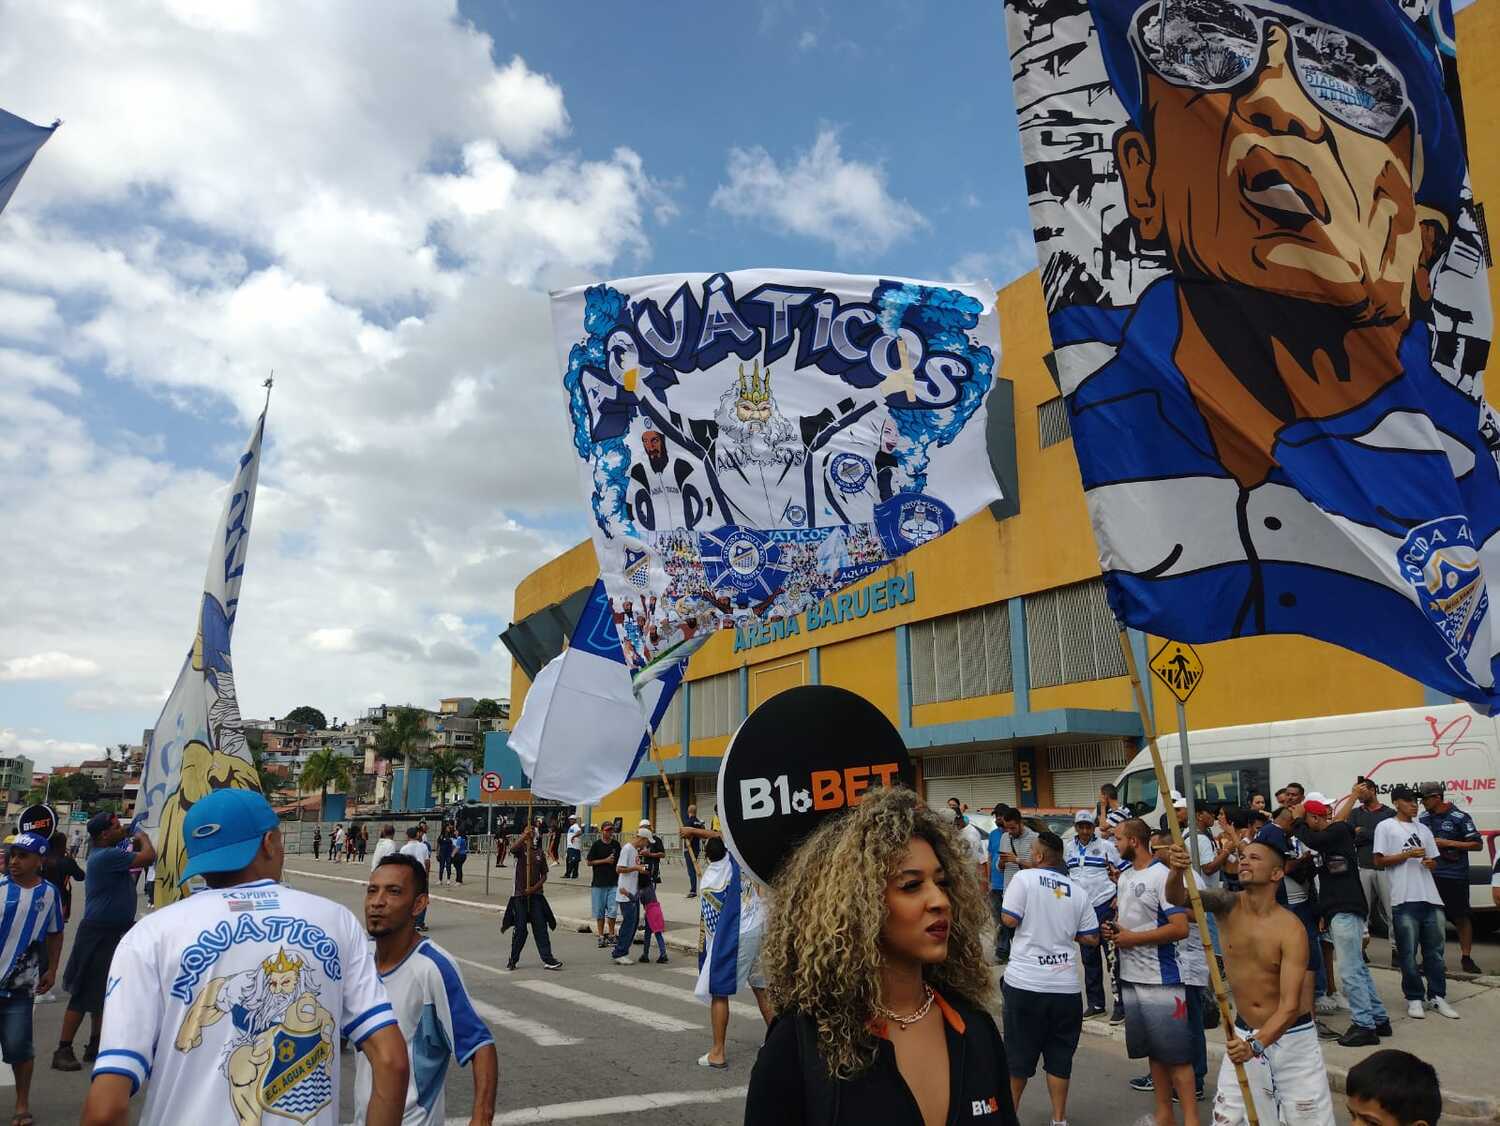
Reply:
x=306, y=716
x=449, y=768
x=75, y=788
x=488, y=709
x=269, y=780
x=402, y=739
x=324, y=768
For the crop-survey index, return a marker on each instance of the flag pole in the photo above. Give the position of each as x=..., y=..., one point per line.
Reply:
x=672, y=797
x=1164, y=787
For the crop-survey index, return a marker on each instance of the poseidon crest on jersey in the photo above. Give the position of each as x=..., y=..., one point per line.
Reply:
x=638, y=568
x=1438, y=559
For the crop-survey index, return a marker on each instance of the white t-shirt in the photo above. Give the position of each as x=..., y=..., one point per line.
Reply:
x=1207, y=850
x=1410, y=882
x=1296, y=890
x=574, y=832
x=1089, y=866
x=259, y=980
x=1051, y=911
x=629, y=882
x=974, y=841
x=383, y=848
x=419, y=851
x=438, y=1022
x=1192, y=960
x=1142, y=905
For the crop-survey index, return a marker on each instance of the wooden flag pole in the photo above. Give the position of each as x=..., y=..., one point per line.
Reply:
x=672, y=797
x=1164, y=787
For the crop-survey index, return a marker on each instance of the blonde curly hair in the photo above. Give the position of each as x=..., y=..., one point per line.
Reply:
x=821, y=954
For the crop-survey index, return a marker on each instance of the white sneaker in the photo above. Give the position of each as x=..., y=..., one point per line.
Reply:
x=626, y=960
x=1416, y=1010
x=1442, y=1006
x=1325, y=1005
x=1342, y=1002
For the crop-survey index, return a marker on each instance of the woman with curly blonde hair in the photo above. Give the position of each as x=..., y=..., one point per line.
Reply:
x=875, y=963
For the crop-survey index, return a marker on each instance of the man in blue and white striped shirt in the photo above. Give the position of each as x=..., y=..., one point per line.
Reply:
x=31, y=933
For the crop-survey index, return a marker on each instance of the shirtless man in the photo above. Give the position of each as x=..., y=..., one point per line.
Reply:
x=1265, y=955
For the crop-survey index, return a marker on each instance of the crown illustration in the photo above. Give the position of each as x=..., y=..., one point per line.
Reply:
x=753, y=390
x=281, y=963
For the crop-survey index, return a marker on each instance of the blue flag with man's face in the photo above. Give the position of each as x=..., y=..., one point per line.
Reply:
x=19, y=141
x=1265, y=281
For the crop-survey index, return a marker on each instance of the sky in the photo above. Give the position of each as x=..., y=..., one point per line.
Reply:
x=372, y=198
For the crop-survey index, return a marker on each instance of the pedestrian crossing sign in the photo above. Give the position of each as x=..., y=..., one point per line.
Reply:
x=1179, y=667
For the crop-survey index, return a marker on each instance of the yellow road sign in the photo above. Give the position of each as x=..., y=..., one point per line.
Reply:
x=1179, y=667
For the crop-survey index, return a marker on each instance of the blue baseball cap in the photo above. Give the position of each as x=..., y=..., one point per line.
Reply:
x=222, y=831
x=30, y=842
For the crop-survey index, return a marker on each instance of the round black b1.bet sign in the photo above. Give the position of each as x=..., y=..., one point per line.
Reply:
x=37, y=818
x=803, y=756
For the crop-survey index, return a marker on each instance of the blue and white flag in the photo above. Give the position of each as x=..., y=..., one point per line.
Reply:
x=733, y=918
x=586, y=723
x=751, y=442
x=19, y=141
x=1266, y=285
x=198, y=744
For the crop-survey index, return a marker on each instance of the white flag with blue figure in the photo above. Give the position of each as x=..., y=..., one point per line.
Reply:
x=198, y=744
x=733, y=924
x=586, y=723
x=1266, y=285
x=749, y=443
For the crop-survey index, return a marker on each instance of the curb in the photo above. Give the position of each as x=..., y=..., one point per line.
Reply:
x=1467, y=1108
x=681, y=945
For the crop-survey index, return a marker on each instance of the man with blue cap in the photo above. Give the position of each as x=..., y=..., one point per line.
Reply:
x=239, y=995
x=108, y=912
x=31, y=936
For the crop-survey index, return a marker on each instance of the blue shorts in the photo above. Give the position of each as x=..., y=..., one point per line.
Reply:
x=15, y=1028
x=604, y=903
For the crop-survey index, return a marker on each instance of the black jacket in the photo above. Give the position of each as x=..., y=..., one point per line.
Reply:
x=790, y=1085
x=1339, y=887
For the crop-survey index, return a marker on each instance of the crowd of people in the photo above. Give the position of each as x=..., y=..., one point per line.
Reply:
x=880, y=978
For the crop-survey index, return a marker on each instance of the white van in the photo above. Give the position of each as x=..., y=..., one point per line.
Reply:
x=1451, y=744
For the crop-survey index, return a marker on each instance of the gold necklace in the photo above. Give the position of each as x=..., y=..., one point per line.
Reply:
x=902, y=1022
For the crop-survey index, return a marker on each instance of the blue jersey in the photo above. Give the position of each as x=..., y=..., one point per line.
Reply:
x=1454, y=825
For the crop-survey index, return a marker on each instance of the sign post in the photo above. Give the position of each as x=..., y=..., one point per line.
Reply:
x=1178, y=667
x=1182, y=671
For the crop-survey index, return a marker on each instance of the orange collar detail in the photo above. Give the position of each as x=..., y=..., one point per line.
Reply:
x=882, y=1029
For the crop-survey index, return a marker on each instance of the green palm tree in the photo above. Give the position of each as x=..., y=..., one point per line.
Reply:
x=449, y=769
x=324, y=768
x=403, y=739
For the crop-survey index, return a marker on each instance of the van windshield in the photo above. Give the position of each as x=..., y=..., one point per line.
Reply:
x=1138, y=791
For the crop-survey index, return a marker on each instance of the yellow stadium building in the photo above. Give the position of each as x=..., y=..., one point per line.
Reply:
x=992, y=648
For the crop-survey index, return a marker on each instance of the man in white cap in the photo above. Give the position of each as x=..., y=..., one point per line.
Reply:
x=575, y=852
x=1093, y=864
x=233, y=1002
x=628, y=871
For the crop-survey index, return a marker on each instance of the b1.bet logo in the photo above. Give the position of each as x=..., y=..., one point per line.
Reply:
x=826, y=790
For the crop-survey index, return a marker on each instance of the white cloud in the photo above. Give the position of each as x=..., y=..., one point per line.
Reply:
x=1016, y=255
x=46, y=753
x=820, y=195
x=357, y=195
x=807, y=40
x=51, y=665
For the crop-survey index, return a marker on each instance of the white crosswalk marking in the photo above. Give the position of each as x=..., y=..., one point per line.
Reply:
x=690, y=971
x=615, y=1104
x=487, y=968
x=597, y=1004
x=662, y=989
x=503, y=1021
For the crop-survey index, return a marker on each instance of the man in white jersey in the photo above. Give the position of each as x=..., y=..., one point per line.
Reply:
x=1146, y=934
x=1051, y=915
x=1090, y=860
x=427, y=992
x=1406, y=849
x=420, y=851
x=31, y=936
x=231, y=1003
x=384, y=846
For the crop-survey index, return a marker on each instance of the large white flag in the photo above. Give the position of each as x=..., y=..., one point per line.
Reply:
x=584, y=729
x=198, y=744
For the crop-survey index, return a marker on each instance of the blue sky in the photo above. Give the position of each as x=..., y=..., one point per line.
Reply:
x=372, y=197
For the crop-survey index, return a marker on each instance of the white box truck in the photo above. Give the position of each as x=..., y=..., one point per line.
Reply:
x=1451, y=744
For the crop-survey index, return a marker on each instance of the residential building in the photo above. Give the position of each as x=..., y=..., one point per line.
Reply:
x=15, y=776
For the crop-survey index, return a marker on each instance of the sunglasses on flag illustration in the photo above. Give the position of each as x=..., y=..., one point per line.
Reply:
x=1215, y=45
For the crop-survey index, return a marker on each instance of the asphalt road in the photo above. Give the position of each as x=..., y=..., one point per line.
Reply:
x=601, y=1042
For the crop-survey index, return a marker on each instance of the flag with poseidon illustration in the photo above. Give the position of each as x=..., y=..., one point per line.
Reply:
x=198, y=744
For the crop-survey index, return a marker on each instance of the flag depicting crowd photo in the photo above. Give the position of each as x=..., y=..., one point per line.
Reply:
x=198, y=744
x=749, y=443
x=1265, y=281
